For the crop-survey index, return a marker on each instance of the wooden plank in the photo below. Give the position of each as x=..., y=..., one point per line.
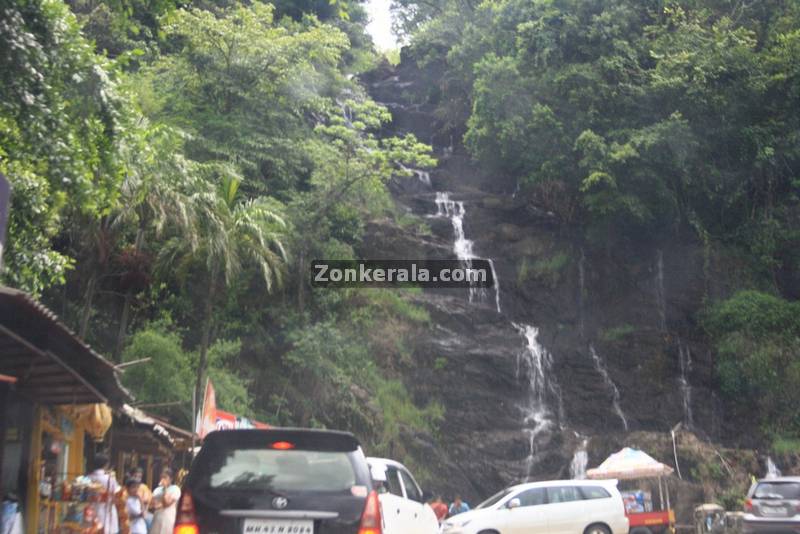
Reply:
x=38, y=380
x=80, y=377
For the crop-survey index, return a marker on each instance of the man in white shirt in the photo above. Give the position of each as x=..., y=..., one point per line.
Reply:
x=105, y=509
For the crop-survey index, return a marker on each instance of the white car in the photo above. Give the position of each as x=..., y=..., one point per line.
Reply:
x=403, y=508
x=552, y=507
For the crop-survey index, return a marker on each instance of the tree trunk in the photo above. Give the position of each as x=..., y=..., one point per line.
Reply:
x=301, y=281
x=126, y=305
x=205, y=340
x=86, y=313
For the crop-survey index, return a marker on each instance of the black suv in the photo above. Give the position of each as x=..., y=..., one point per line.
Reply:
x=279, y=481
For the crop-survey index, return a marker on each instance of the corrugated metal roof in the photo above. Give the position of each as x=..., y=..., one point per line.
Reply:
x=51, y=362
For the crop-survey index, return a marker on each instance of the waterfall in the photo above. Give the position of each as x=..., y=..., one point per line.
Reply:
x=661, y=295
x=347, y=113
x=422, y=176
x=685, y=360
x=496, y=287
x=580, y=460
x=454, y=209
x=772, y=469
x=615, y=396
x=537, y=363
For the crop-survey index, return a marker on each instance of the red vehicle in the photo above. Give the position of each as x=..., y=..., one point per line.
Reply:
x=632, y=464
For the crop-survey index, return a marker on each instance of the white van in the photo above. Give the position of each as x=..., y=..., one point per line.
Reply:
x=552, y=507
x=403, y=508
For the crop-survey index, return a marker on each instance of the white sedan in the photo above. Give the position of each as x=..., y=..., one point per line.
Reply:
x=552, y=507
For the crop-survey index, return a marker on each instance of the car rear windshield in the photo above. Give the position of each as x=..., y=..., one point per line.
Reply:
x=277, y=470
x=777, y=490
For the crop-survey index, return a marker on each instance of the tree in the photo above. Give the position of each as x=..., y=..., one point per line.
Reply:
x=231, y=232
x=61, y=122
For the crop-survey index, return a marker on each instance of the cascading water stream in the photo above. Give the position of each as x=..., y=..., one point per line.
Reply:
x=685, y=360
x=772, y=469
x=454, y=209
x=615, y=396
x=581, y=292
x=580, y=460
x=422, y=176
x=661, y=295
x=533, y=361
x=537, y=364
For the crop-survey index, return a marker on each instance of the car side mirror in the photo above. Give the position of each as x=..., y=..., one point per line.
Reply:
x=378, y=474
x=513, y=503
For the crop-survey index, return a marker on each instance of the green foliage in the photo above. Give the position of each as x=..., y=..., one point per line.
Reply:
x=61, y=122
x=168, y=376
x=546, y=270
x=756, y=336
x=630, y=120
x=399, y=411
x=784, y=446
x=617, y=333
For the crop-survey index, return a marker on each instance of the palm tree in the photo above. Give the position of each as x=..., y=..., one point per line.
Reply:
x=230, y=233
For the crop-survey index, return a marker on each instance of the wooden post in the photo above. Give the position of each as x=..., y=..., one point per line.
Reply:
x=31, y=514
x=149, y=473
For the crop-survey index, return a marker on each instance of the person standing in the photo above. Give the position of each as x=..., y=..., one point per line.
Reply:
x=105, y=509
x=145, y=495
x=165, y=504
x=458, y=506
x=439, y=508
x=135, y=507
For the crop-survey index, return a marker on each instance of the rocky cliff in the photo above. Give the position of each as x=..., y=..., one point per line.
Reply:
x=575, y=344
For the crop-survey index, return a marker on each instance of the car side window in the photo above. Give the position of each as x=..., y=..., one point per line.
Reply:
x=532, y=497
x=412, y=490
x=594, y=492
x=563, y=494
x=393, y=481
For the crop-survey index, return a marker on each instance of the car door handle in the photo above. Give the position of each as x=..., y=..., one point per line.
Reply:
x=398, y=510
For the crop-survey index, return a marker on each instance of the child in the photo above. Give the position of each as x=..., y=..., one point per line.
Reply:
x=135, y=508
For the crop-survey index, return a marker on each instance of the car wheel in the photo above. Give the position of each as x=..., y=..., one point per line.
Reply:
x=597, y=529
x=641, y=530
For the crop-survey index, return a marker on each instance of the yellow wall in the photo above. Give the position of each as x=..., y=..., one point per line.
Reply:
x=75, y=458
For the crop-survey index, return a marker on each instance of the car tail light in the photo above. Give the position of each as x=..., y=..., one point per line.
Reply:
x=371, y=518
x=748, y=505
x=186, y=518
x=283, y=446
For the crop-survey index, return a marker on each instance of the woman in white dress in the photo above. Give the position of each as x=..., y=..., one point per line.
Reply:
x=165, y=504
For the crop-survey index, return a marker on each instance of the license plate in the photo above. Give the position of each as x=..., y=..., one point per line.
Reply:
x=278, y=526
x=774, y=511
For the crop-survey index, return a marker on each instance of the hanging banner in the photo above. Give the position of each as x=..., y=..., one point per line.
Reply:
x=211, y=418
x=208, y=417
x=229, y=421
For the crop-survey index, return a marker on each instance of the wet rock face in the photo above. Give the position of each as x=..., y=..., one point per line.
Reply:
x=636, y=315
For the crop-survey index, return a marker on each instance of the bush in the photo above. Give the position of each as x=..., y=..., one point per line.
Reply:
x=756, y=338
x=617, y=333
